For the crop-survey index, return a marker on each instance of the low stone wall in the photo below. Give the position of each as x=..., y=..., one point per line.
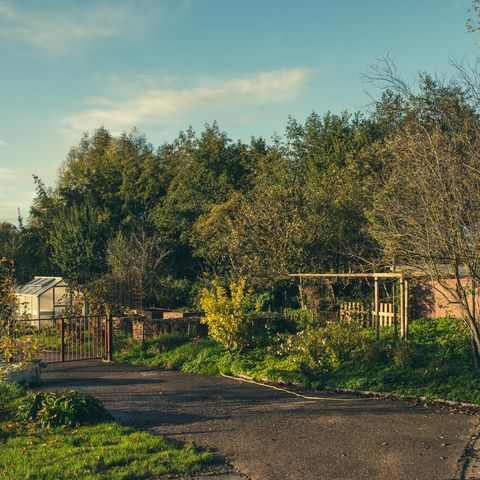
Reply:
x=29, y=374
x=122, y=324
x=172, y=323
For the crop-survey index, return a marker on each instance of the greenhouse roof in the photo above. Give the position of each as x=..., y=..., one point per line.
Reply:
x=40, y=285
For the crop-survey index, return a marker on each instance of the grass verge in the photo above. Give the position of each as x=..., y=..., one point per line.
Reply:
x=105, y=451
x=435, y=363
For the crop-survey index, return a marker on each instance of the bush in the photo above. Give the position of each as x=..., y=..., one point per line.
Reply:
x=448, y=335
x=227, y=316
x=375, y=351
x=404, y=355
x=321, y=349
x=68, y=409
x=301, y=319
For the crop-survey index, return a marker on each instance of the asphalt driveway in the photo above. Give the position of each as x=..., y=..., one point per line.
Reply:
x=270, y=435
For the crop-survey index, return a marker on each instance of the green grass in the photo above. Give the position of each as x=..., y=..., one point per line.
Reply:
x=106, y=451
x=435, y=363
x=10, y=394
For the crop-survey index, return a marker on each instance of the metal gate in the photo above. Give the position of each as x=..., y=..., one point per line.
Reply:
x=68, y=339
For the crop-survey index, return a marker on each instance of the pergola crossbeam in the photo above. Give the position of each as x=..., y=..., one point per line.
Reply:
x=350, y=275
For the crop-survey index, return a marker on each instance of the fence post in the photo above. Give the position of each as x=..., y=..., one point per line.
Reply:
x=62, y=339
x=109, y=338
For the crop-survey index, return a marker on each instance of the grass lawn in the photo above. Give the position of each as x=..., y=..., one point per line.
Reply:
x=105, y=451
x=435, y=363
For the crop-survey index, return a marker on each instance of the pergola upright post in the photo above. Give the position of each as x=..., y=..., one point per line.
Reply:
x=406, y=310
x=474, y=300
x=376, y=310
x=402, y=308
x=394, y=308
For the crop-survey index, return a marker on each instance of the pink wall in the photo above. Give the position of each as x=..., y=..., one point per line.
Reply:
x=434, y=301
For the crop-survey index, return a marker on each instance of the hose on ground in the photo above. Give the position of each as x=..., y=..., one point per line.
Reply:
x=301, y=395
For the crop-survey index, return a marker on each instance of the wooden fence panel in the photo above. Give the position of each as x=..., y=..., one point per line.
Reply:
x=364, y=315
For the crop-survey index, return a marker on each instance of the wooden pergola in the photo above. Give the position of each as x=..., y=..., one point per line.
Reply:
x=377, y=276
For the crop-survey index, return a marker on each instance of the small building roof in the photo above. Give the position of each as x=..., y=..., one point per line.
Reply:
x=40, y=285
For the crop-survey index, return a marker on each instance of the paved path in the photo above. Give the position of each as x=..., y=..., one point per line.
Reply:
x=270, y=435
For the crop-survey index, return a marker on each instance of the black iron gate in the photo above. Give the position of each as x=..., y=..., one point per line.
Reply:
x=68, y=339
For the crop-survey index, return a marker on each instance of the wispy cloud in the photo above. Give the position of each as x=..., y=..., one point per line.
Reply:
x=64, y=28
x=3, y=143
x=6, y=173
x=160, y=103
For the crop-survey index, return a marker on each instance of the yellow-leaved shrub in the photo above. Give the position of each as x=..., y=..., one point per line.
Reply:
x=227, y=314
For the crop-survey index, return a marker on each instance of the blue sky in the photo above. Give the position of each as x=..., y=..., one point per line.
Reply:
x=67, y=67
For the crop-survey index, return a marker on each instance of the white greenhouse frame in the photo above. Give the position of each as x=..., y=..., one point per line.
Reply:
x=42, y=297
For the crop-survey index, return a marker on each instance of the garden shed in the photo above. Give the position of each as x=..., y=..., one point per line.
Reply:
x=42, y=297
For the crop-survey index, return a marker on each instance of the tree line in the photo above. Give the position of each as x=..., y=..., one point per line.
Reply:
x=337, y=192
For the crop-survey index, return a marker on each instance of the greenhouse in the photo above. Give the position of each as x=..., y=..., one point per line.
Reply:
x=42, y=297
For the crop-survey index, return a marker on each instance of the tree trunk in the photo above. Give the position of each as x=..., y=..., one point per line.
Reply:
x=300, y=291
x=475, y=355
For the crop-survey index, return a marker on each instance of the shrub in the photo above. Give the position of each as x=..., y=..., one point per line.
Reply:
x=227, y=316
x=449, y=334
x=302, y=319
x=404, y=355
x=375, y=351
x=68, y=409
x=321, y=349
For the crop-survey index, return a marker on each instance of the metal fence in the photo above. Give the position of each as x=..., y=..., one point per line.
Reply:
x=66, y=339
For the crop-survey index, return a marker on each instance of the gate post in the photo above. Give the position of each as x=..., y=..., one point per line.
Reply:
x=109, y=332
x=62, y=339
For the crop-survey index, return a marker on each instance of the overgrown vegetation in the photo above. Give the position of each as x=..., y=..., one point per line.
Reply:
x=434, y=363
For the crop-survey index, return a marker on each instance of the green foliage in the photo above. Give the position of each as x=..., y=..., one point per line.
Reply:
x=61, y=409
x=404, y=355
x=137, y=256
x=307, y=201
x=227, y=316
x=447, y=333
x=9, y=392
x=9, y=240
x=8, y=300
x=100, y=452
x=77, y=239
x=341, y=356
x=232, y=208
x=323, y=349
x=301, y=318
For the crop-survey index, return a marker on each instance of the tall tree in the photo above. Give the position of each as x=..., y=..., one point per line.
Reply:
x=78, y=239
x=427, y=215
